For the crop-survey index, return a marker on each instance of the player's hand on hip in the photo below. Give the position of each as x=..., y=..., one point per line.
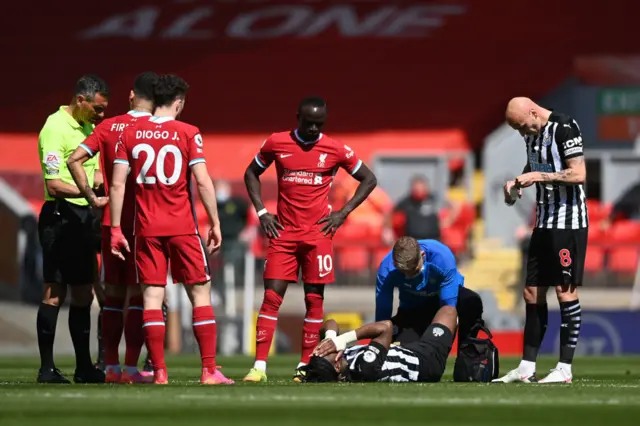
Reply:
x=118, y=243
x=511, y=192
x=326, y=347
x=214, y=241
x=270, y=225
x=332, y=222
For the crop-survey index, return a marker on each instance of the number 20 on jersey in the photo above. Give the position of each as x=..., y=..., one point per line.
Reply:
x=159, y=162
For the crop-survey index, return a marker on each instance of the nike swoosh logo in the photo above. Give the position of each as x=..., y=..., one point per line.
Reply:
x=261, y=340
x=309, y=342
x=324, y=274
x=285, y=155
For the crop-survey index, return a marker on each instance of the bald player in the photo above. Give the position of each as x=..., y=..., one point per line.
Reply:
x=555, y=166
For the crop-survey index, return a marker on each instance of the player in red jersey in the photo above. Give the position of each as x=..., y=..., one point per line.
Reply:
x=121, y=285
x=301, y=232
x=163, y=154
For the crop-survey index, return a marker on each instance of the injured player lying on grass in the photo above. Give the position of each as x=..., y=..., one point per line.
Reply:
x=380, y=361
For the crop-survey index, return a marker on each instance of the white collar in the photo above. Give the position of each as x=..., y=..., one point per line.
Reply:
x=136, y=114
x=160, y=120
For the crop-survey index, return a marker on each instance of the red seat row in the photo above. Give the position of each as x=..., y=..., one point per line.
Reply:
x=616, y=248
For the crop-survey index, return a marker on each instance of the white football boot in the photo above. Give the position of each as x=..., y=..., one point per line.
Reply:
x=558, y=375
x=515, y=376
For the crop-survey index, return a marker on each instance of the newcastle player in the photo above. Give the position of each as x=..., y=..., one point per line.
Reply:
x=423, y=360
x=555, y=165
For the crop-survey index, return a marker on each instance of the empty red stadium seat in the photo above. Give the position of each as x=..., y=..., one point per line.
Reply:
x=377, y=256
x=455, y=239
x=398, y=222
x=352, y=259
x=598, y=211
x=353, y=231
x=623, y=259
x=595, y=259
x=626, y=231
x=466, y=217
x=596, y=235
x=443, y=213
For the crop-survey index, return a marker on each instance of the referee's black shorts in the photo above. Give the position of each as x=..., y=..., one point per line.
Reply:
x=433, y=350
x=68, y=243
x=556, y=257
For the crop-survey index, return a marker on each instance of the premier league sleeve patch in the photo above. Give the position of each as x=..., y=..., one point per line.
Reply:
x=369, y=356
x=437, y=331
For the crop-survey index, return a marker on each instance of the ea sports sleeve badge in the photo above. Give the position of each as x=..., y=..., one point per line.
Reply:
x=52, y=161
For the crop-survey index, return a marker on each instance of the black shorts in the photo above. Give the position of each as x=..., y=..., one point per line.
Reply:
x=411, y=323
x=556, y=257
x=68, y=243
x=433, y=350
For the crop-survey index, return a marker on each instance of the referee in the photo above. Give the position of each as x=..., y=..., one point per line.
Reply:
x=65, y=230
x=555, y=165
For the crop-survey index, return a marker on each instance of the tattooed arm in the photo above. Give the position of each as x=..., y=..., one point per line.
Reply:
x=575, y=174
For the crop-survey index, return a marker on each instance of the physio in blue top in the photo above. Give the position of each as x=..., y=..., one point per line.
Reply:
x=427, y=277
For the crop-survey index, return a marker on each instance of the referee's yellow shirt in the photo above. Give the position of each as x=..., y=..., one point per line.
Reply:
x=59, y=137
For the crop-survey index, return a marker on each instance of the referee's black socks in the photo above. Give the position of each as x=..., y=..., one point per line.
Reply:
x=46, y=325
x=80, y=329
x=570, y=329
x=535, y=326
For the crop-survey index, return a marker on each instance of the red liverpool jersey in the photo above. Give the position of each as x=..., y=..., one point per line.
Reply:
x=160, y=153
x=103, y=140
x=305, y=174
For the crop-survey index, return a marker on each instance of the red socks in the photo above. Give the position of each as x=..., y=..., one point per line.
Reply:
x=154, y=329
x=112, y=329
x=312, y=325
x=266, y=324
x=204, y=328
x=133, y=334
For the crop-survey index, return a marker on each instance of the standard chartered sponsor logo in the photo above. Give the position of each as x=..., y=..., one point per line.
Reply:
x=302, y=177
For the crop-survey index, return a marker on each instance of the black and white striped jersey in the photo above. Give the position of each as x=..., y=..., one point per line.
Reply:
x=374, y=363
x=557, y=206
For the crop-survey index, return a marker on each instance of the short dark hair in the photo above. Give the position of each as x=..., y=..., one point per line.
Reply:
x=169, y=88
x=89, y=85
x=144, y=85
x=312, y=101
x=320, y=370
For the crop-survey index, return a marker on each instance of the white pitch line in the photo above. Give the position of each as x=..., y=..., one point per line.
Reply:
x=350, y=401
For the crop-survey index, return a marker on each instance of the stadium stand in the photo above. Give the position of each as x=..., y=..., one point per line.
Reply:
x=431, y=79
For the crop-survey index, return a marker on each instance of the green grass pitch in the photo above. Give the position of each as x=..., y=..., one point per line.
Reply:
x=606, y=391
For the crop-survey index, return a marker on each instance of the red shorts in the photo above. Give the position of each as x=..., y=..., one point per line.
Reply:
x=313, y=258
x=184, y=254
x=114, y=271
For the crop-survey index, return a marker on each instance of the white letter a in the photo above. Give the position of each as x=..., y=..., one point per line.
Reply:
x=136, y=24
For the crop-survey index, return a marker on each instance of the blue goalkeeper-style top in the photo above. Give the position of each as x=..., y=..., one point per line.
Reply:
x=439, y=276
